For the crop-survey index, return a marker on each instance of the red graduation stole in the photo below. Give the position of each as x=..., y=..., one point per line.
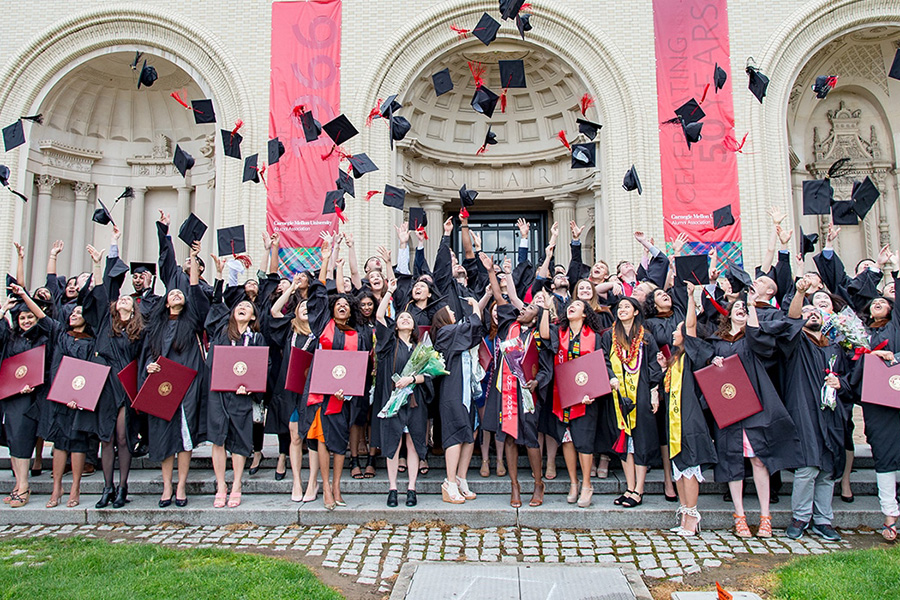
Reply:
x=587, y=344
x=509, y=399
x=326, y=342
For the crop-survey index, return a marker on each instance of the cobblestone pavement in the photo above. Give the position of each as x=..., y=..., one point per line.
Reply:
x=372, y=554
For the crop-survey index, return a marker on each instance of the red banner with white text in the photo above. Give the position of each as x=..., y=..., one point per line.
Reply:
x=691, y=38
x=306, y=71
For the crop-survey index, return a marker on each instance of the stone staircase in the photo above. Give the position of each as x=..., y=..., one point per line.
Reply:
x=267, y=502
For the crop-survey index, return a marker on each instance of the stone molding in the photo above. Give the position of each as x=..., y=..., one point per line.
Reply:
x=63, y=157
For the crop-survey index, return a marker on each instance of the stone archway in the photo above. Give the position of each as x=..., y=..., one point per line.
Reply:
x=587, y=55
x=798, y=39
x=31, y=76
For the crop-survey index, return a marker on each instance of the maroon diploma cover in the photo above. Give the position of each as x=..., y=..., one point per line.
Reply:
x=164, y=390
x=298, y=370
x=582, y=376
x=335, y=370
x=728, y=392
x=79, y=381
x=23, y=369
x=880, y=383
x=236, y=366
x=128, y=377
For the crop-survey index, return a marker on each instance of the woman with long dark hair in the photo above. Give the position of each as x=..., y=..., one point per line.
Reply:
x=119, y=329
x=173, y=332
x=361, y=413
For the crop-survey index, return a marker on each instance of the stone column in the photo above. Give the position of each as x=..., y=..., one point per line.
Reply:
x=184, y=209
x=563, y=212
x=41, y=246
x=81, y=220
x=434, y=212
x=134, y=233
x=601, y=222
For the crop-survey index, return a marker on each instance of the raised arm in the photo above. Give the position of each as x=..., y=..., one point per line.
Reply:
x=690, y=313
x=355, y=277
x=327, y=238
x=796, y=308
x=769, y=258
x=20, y=262
x=96, y=260
x=274, y=243
x=543, y=301
x=55, y=249
x=195, y=264
x=466, y=237
x=511, y=290
x=32, y=306
x=488, y=263
x=339, y=276
x=381, y=313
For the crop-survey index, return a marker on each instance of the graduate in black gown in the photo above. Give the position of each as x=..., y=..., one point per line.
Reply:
x=173, y=331
x=454, y=337
x=394, y=344
x=21, y=412
x=687, y=435
x=119, y=327
x=229, y=415
x=768, y=438
x=287, y=410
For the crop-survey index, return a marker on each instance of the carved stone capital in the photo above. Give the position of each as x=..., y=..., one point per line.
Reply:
x=82, y=189
x=46, y=183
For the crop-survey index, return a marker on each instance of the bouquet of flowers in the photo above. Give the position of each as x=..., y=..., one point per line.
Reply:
x=425, y=360
x=514, y=352
x=846, y=329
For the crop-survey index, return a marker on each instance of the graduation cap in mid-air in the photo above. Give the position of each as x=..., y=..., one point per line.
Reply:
x=203, y=111
x=231, y=240
x=102, y=215
x=490, y=139
x=467, y=196
x=842, y=213
x=719, y=78
x=631, y=181
x=512, y=74
x=417, y=218
x=588, y=128
x=894, y=73
x=584, y=156
x=312, y=129
x=823, y=85
x=335, y=204
x=361, y=164
x=4, y=181
x=523, y=24
x=345, y=182
x=183, y=161
x=722, y=217
x=251, y=169
x=486, y=29
x=485, y=101
x=864, y=195
x=758, y=83
x=693, y=268
x=275, y=150
x=808, y=242
x=394, y=197
x=147, y=77
x=340, y=129
x=191, y=230
x=442, y=82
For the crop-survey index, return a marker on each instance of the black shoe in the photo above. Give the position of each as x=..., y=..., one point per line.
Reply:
x=181, y=502
x=36, y=472
x=392, y=498
x=165, y=503
x=773, y=498
x=279, y=476
x=140, y=449
x=105, y=496
x=795, y=530
x=670, y=498
x=826, y=532
x=848, y=499
x=726, y=497
x=121, y=497
x=411, y=499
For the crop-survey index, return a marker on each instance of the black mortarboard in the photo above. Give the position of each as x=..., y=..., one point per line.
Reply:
x=523, y=24
x=738, y=277
x=817, y=196
x=417, y=218
x=251, y=169
x=758, y=83
x=13, y=135
x=340, y=129
x=442, y=82
x=512, y=74
x=839, y=168
x=584, y=156
x=894, y=73
x=312, y=129
x=808, y=242
x=4, y=175
x=231, y=240
x=490, y=138
x=722, y=217
x=191, y=230
x=719, y=77
x=334, y=198
x=823, y=85
x=631, y=181
x=691, y=132
x=102, y=215
x=362, y=164
x=485, y=101
x=588, y=128
x=275, y=151
x=203, y=111
x=127, y=193
x=394, y=197
x=147, y=77
x=690, y=112
x=231, y=143
x=486, y=29
x=141, y=267
x=389, y=106
x=184, y=162
x=345, y=182
x=864, y=195
x=400, y=126
x=693, y=268
x=117, y=268
x=510, y=8
x=137, y=58
x=842, y=213
x=467, y=196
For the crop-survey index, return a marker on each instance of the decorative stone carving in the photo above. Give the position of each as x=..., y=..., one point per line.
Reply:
x=46, y=183
x=208, y=150
x=82, y=189
x=162, y=148
x=68, y=158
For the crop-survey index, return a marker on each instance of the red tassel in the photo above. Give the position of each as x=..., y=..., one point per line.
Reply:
x=831, y=81
x=503, y=101
x=620, y=445
x=460, y=32
x=477, y=70
x=421, y=230
x=719, y=308
x=340, y=214
x=587, y=101
x=732, y=145
x=463, y=213
x=344, y=156
x=237, y=125
x=481, y=150
x=526, y=7
x=703, y=97
x=330, y=152
x=179, y=99
x=371, y=193
x=375, y=113
x=298, y=111
x=562, y=137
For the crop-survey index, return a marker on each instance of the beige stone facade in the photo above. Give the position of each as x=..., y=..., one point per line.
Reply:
x=70, y=60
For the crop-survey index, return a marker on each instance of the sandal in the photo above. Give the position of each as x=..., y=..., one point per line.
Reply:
x=741, y=529
x=234, y=500
x=889, y=532
x=18, y=500
x=219, y=502
x=515, y=497
x=9, y=498
x=618, y=501
x=401, y=468
x=423, y=467
x=572, y=496
x=765, y=527
x=52, y=502
x=370, y=467
x=537, y=498
x=73, y=502
x=603, y=471
x=501, y=469
x=355, y=471
x=584, y=499
x=485, y=469
x=630, y=502
x=551, y=471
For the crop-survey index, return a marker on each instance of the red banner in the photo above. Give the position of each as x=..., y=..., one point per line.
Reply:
x=691, y=38
x=306, y=71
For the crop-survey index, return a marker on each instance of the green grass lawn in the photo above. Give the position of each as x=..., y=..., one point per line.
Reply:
x=88, y=569
x=854, y=575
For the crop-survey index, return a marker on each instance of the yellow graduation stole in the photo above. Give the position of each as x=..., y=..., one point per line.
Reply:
x=673, y=386
x=629, y=375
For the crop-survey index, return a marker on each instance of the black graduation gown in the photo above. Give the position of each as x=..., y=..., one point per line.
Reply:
x=284, y=402
x=61, y=427
x=170, y=272
x=392, y=355
x=771, y=432
x=527, y=422
x=166, y=436
x=697, y=447
x=821, y=431
x=116, y=352
x=645, y=434
x=22, y=412
x=229, y=416
x=452, y=341
x=662, y=328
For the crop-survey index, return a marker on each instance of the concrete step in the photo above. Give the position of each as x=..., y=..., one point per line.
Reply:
x=485, y=511
x=202, y=481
